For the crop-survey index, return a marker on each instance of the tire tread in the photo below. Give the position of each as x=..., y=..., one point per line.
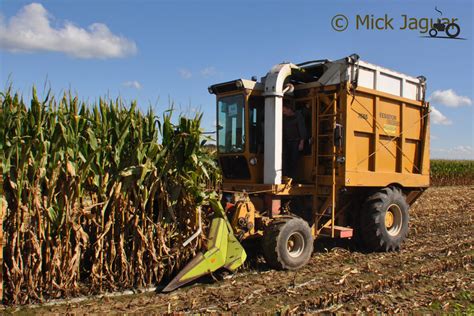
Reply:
x=271, y=245
x=372, y=220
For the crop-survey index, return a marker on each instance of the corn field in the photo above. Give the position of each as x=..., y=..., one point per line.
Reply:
x=452, y=172
x=99, y=197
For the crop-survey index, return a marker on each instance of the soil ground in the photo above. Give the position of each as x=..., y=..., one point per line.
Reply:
x=433, y=272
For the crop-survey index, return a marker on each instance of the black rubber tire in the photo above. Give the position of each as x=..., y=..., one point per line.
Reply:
x=454, y=34
x=433, y=32
x=375, y=235
x=275, y=241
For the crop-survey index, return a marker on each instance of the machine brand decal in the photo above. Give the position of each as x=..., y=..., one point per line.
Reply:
x=390, y=129
x=388, y=116
x=391, y=122
x=363, y=116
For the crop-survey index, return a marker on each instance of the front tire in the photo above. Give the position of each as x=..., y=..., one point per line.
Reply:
x=433, y=32
x=385, y=219
x=288, y=244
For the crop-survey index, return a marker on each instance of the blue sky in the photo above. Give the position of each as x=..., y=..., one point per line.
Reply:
x=156, y=51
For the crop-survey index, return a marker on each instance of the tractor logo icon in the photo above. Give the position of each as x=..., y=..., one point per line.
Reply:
x=451, y=29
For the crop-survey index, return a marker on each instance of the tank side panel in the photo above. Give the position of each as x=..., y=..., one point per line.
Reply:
x=386, y=140
x=388, y=125
x=359, y=133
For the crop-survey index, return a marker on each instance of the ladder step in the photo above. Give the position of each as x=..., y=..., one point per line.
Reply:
x=339, y=231
x=326, y=156
x=325, y=135
x=327, y=115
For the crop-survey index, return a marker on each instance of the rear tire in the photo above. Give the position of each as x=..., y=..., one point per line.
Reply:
x=453, y=30
x=384, y=221
x=288, y=244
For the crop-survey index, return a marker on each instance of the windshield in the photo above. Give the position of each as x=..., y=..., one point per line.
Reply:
x=231, y=124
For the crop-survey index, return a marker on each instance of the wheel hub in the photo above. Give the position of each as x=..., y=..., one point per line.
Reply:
x=393, y=220
x=295, y=244
x=389, y=219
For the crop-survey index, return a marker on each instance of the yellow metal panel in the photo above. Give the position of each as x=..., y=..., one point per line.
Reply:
x=385, y=148
x=411, y=156
x=426, y=153
x=388, y=96
x=362, y=151
x=376, y=140
x=362, y=112
x=387, y=155
x=412, y=122
x=401, y=141
x=382, y=179
x=388, y=119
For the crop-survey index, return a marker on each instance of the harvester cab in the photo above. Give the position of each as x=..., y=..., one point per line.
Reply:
x=361, y=162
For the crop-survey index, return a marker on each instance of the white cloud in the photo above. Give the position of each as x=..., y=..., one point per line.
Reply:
x=185, y=73
x=132, y=84
x=457, y=152
x=439, y=118
x=449, y=98
x=30, y=30
x=208, y=72
x=463, y=149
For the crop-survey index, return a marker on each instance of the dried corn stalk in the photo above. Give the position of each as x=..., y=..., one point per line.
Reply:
x=100, y=197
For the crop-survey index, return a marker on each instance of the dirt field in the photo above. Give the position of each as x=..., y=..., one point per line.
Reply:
x=433, y=272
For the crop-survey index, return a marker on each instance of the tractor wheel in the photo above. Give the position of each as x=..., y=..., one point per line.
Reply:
x=288, y=244
x=384, y=221
x=433, y=32
x=453, y=30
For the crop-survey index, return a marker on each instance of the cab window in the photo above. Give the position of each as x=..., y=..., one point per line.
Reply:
x=256, y=124
x=231, y=124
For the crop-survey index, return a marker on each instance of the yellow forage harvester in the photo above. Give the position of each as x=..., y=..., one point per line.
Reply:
x=322, y=148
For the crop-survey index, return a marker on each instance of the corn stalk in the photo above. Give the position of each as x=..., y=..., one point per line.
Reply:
x=100, y=197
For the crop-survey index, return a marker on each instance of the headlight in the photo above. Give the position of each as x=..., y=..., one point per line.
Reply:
x=253, y=161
